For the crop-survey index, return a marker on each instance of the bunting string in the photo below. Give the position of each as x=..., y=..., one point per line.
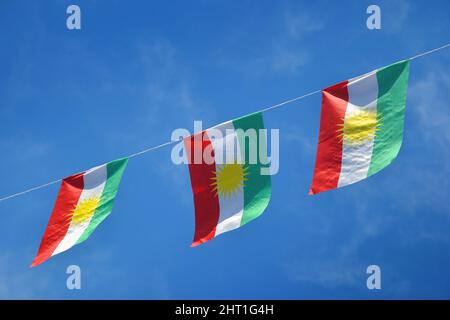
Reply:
x=153, y=148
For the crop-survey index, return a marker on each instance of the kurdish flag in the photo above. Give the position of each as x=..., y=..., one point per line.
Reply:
x=361, y=127
x=225, y=165
x=84, y=201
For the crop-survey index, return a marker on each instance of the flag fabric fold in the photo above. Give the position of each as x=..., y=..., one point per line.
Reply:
x=361, y=132
x=84, y=201
x=229, y=189
x=361, y=127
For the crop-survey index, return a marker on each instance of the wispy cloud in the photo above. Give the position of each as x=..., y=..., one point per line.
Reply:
x=408, y=206
x=299, y=24
x=296, y=136
x=166, y=90
x=395, y=14
x=429, y=98
x=285, y=47
x=17, y=284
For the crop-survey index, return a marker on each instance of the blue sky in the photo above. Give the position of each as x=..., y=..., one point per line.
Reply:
x=70, y=100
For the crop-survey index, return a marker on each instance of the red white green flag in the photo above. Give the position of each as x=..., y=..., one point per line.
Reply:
x=361, y=127
x=84, y=201
x=229, y=189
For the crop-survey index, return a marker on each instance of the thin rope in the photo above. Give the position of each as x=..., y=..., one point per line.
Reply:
x=151, y=149
x=289, y=101
x=429, y=52
x=29, y=190
x=174, y=141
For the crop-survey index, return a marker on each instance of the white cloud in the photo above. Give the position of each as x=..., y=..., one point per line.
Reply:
x=418, y=199
x=394, y=15
x=429, y=98
x=19, y=284
x=285, y=50
x=301, y=24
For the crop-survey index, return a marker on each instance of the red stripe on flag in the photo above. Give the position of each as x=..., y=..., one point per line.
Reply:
x=68, y=195
x=329, y=150
x=206, y=201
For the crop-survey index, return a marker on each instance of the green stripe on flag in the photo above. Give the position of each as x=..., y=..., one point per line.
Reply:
x=257, y=187
x=392, y=89
x=115, y=171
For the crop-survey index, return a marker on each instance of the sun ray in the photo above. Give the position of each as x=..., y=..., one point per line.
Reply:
x=359, y=127
x=84, y=210
x=229, y=179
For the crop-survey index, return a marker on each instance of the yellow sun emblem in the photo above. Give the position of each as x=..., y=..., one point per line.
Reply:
x=84, y=210
x=360, y=126
x=229, y=178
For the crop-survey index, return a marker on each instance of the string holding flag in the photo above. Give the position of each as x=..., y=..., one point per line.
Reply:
x=83, y=202
x=361, y=131
x=229, y=189
x=153, y=148
x=361, y=127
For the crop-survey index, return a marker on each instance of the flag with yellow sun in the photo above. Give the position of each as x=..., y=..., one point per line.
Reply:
x=361, y=127
x=227, y=181
x=84, y=201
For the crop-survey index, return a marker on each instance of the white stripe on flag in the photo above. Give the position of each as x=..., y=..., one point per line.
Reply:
x=232, y=206
x=94, y=183
x=362, y=93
